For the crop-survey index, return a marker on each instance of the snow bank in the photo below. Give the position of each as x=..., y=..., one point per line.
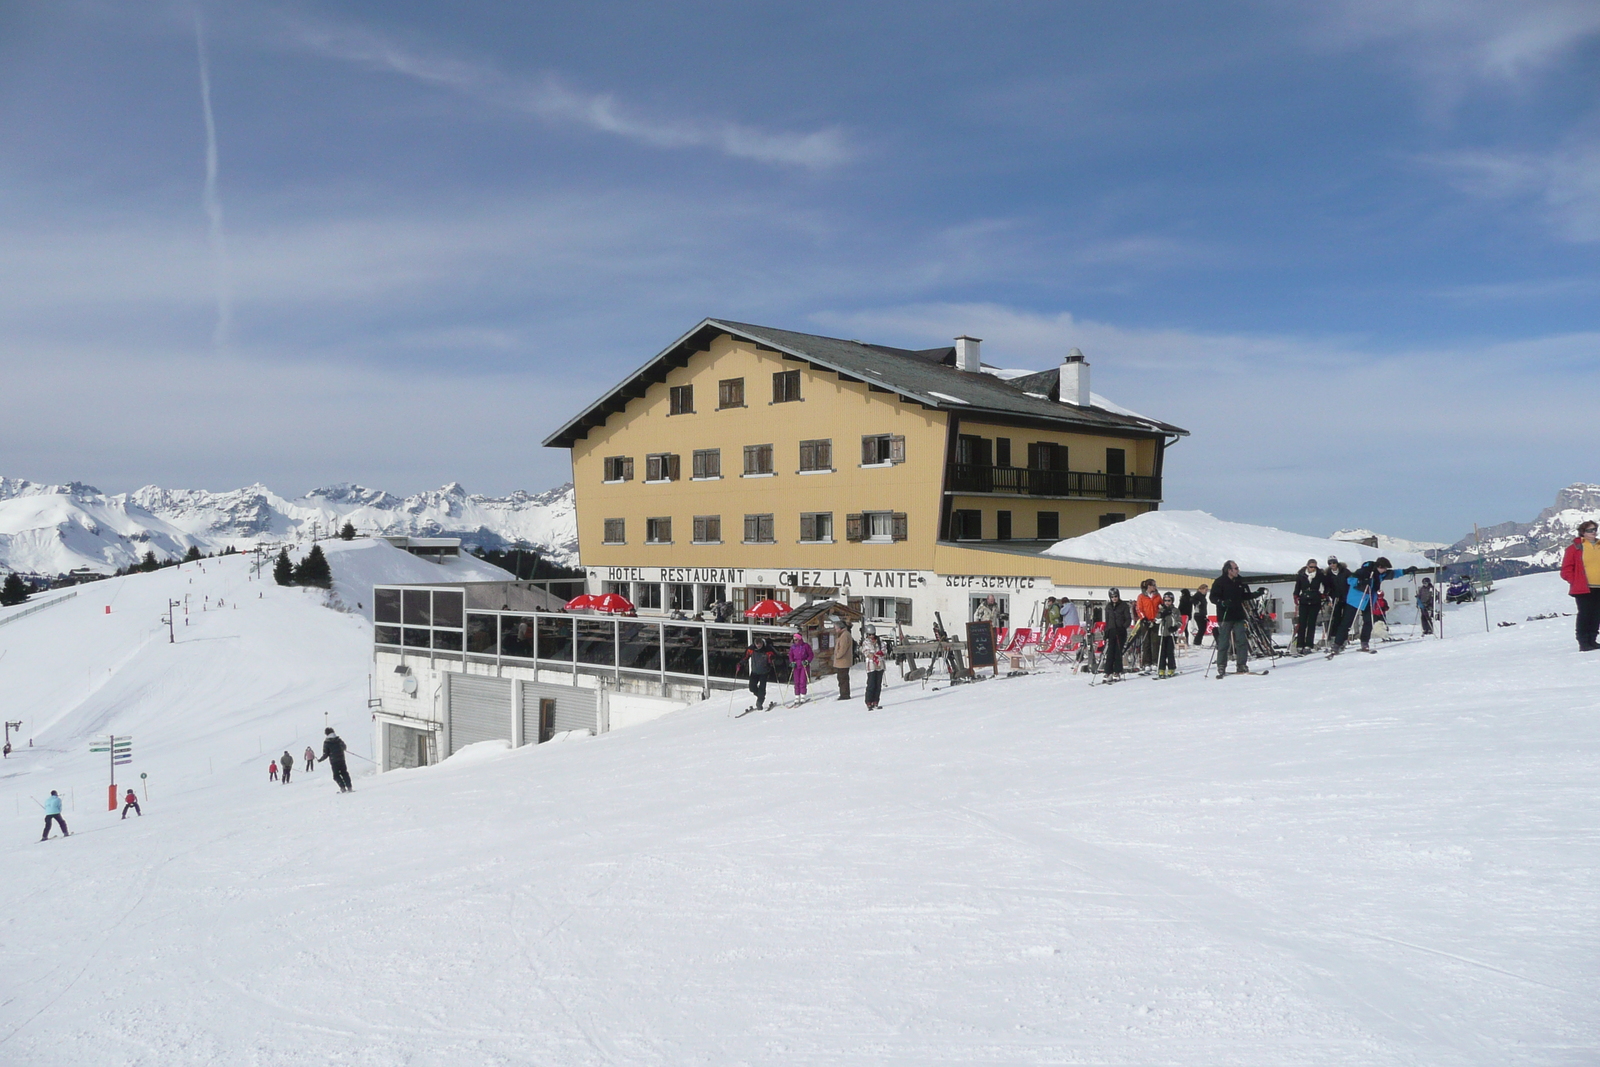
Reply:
x=1199, y=541
x=360, y=564
x=1376, y=861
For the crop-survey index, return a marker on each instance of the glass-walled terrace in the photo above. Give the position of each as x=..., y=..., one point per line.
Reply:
x=435, y=622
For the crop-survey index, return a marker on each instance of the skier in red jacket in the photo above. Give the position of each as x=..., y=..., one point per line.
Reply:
x=131, y=801
x=1581, y=569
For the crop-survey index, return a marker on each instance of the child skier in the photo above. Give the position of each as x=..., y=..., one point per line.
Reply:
x=131, y=801
x=1168, y=622
x=800, y=656
x=272, y=771
x=309, y=761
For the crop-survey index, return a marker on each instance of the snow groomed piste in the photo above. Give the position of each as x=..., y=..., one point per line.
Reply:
x=1380, y=859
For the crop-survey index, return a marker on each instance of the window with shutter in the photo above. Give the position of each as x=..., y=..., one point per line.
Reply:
x=627, y=469
x=897, y=449
x=1049, y=525
x=708, y=463
x=751, y=527
x=658, y=531
x=618, y=468
x=785, y=386
x=766, y=530
x=816, y=455
x=708, y=529
x=682, y=400
x=1002, y=451
x=897, y=530
x=757, y=459
x=816, y=526
x=655, y=467
x=853, y=527
x=673, y=468
x=1002, y=525
x=808, y=527
x=615, y=532
x=730, y=393
x=902, y=611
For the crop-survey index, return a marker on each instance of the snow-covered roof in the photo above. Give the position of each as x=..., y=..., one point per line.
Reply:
x=1199, y=541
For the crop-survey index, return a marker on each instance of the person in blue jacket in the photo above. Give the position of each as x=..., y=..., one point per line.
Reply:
x=1364, y=585
x=52, y=810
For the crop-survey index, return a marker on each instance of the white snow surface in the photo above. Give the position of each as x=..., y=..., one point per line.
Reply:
x=1387, y=543
x=1199, y=541
x=51, y=529
x=1377, y=860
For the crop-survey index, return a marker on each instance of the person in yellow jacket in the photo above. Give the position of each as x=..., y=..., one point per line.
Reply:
x=1581, y=569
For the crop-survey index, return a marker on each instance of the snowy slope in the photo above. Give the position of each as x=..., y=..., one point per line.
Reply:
x=51, y=529
x=1380, y=860
x=1199, y=541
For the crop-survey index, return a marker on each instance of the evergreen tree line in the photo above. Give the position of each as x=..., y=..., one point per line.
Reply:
x=14, y=590
x=525, y=563
x=151, y=563
x=312, y=570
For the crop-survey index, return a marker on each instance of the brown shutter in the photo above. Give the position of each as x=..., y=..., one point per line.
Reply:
x=902, y=612
x=897, y=449
x=751, y=528
x=825, y=455
x=852, y=527
x=808, y=455
x=808, y=527
x=899, y=526
x=627, y=468
x=869, y=450
x=1033, y=456
x=673, y=467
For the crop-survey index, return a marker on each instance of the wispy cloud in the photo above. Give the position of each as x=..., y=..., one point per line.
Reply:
x=1564, y=183
x=1450, y=44
x=212, y=201
x=551, y=99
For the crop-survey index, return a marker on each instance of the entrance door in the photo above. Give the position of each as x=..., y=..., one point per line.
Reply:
x=1116, y=472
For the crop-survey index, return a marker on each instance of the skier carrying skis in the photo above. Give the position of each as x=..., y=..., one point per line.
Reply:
x=1169, y=622
x=52, y=810
x=333, y=751
x=1146, y=609
x=1580, y=566
x=1232, y=596
x=872, y=652
x=1365, y=585
x=286, y=761
x=131, y=801
x=1119, y=617
x=1307, y=604
x=800, y=656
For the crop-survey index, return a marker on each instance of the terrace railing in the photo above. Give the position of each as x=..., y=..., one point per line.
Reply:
x=1029, y=481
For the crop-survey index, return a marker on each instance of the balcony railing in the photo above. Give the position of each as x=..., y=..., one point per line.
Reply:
x=1025, y=481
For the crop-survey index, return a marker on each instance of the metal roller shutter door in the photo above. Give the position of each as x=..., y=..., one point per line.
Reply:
x=480, y=710
x=575, y=708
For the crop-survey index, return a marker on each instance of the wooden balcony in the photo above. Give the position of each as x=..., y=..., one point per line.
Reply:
x=1025, y=481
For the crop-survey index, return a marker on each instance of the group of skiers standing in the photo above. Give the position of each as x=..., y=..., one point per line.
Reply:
x=763, y=663
x=1351, y=595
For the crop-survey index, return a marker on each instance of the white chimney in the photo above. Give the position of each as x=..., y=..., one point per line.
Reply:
x=1075, y=380
x=967, y=353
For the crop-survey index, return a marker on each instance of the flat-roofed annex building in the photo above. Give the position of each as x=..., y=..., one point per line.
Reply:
x=744, y=461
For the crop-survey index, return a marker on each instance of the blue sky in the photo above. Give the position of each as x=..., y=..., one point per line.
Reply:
x=1351, y=245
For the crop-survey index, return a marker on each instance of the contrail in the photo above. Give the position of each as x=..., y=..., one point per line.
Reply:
x=213, y=203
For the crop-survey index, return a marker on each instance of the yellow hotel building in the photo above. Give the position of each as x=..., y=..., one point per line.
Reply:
x=744, y=462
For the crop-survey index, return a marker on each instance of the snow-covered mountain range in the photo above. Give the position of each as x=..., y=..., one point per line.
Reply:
x=53, y=529
x=1513, y=548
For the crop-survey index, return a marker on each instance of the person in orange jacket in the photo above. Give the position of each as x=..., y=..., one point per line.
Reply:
x=131, y=801
x=1580, y=566
x=1146, y=609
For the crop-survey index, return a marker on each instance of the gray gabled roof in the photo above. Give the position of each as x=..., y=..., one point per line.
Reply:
x=928, y=377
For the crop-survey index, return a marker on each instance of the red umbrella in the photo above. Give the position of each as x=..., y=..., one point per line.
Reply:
x=768, y=609
x=585, y=601
x=613, y=602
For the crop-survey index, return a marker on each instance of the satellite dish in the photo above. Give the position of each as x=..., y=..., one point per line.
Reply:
x=409, y=684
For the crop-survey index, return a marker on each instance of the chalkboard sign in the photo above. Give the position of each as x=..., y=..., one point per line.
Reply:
x=980, y=644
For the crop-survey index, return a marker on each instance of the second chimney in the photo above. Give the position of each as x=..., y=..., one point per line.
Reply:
x=1075, y=380
x=967, y=353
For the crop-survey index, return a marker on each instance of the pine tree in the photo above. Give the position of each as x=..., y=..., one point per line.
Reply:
x=192, y=555
x=14, y=591
x=283, y=570
x=314, y=570
x=149, y=563
x=348, y=531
